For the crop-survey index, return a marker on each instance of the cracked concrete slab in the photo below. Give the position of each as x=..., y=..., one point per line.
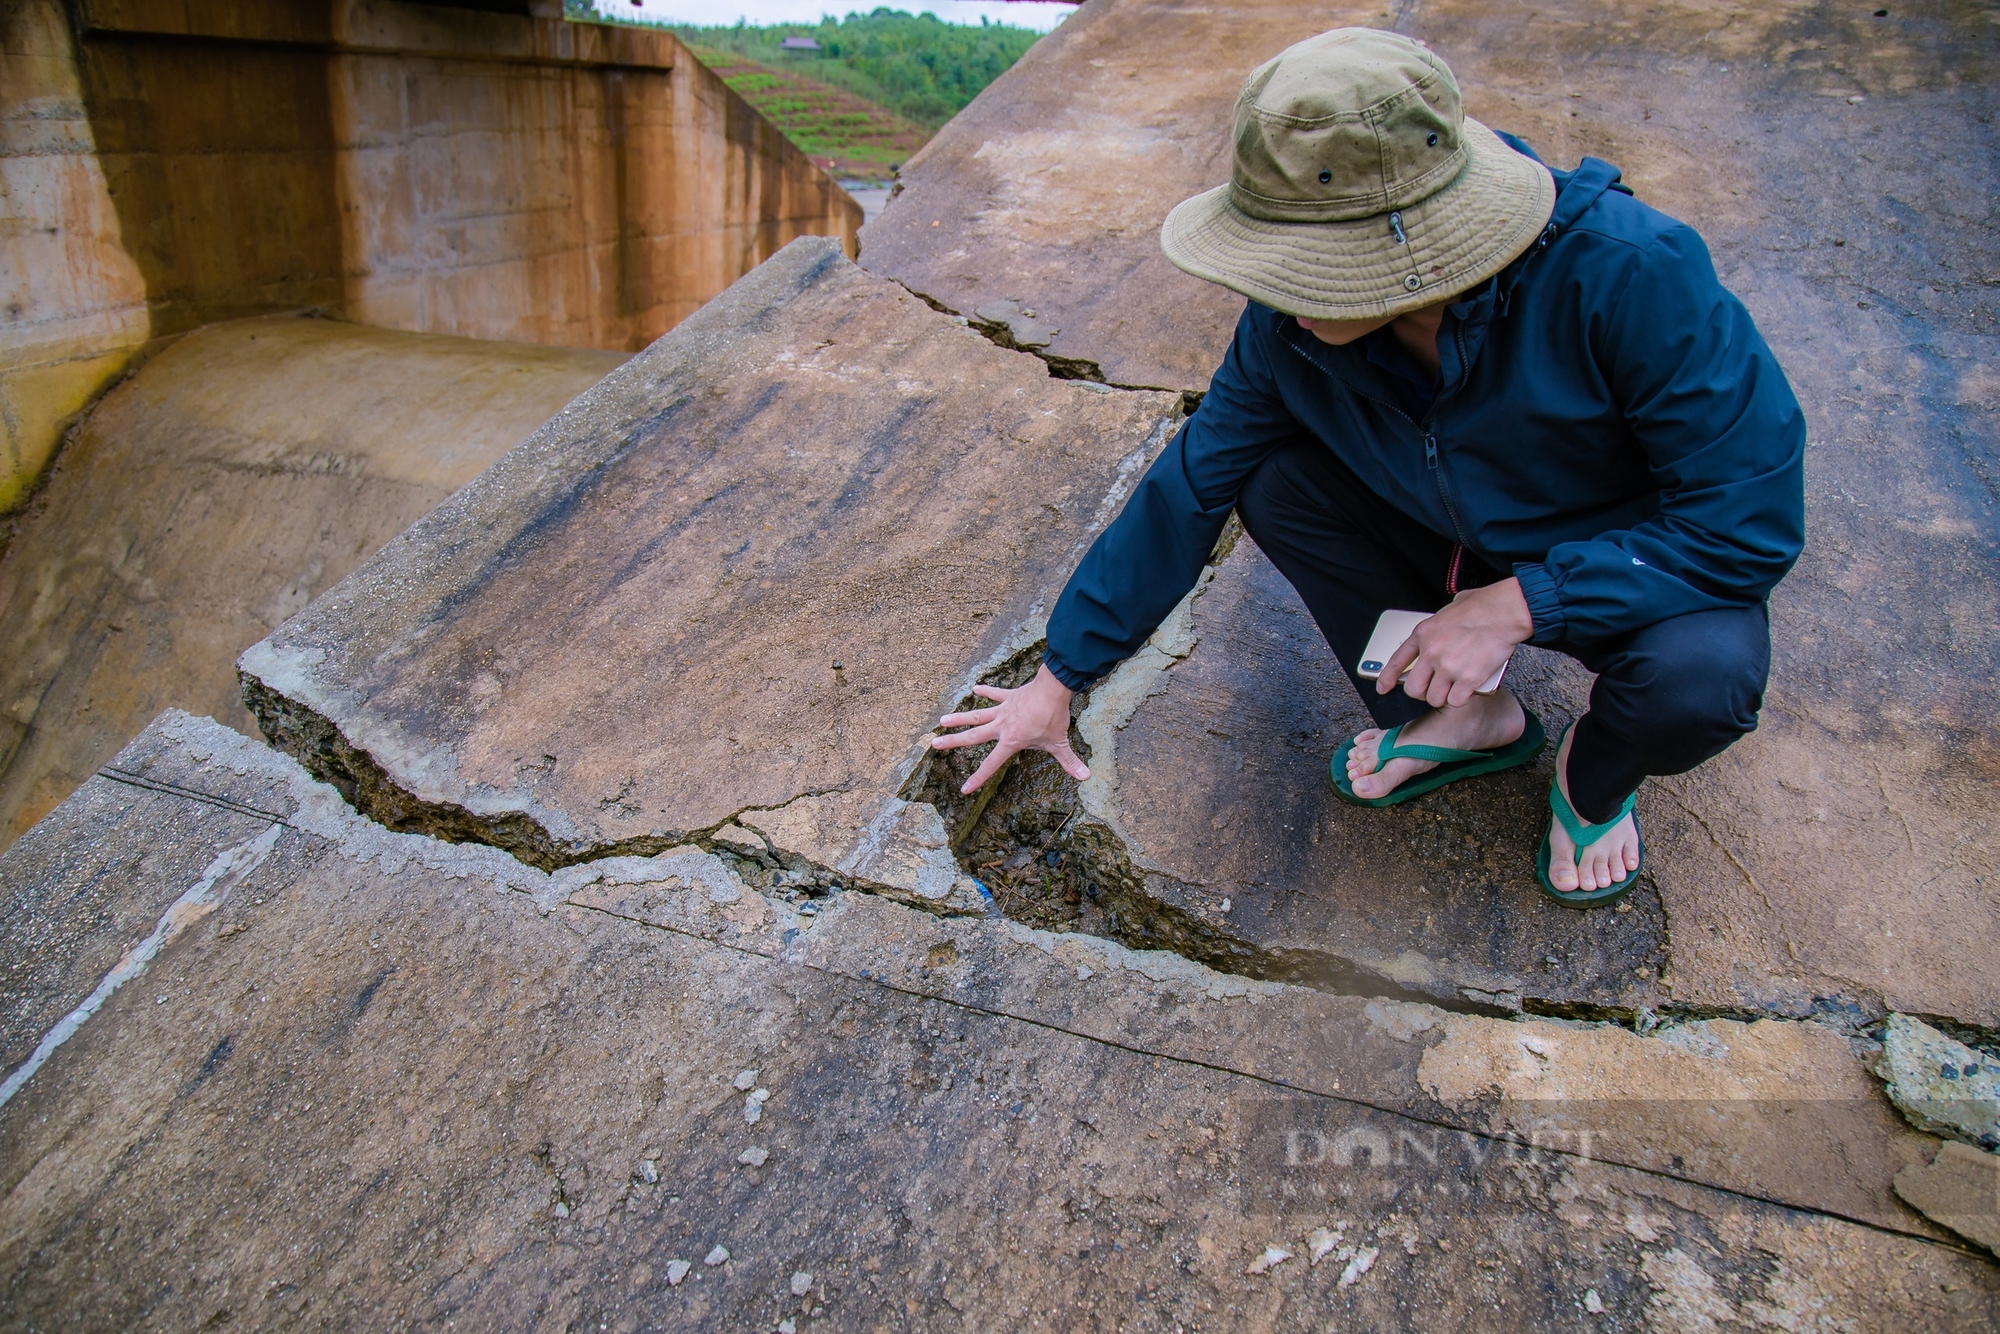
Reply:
x=466, y=1104
x=1839, y=861
x=226, y=483
x=747, y=568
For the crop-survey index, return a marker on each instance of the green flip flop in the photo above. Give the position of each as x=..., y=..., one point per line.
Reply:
x=1452, y=765
x=1583, y=835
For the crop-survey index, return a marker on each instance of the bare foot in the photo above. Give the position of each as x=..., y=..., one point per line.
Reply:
x=1604, y=863
x=1484, y=722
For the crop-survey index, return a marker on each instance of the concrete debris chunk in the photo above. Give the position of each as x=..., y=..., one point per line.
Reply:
x=1942, y=1086
x=740, y=840
x=676, y=1271
x=746, y=1080
x=1023, y=328
x=753, y=1111
x=1321, y=1241
x=1960, y=1189
x=802, y=1282
x=649, y=1172
x=1272, y=1257
x=720, y=1255
x=1592, y=1302
x=754, y=1156
x=787, y=1326
x=1363, y=1261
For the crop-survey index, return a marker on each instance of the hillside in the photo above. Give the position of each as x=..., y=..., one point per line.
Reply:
x=853, y=138
x=915, y=65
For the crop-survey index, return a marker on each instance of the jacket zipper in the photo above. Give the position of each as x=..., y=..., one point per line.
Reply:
x=1444, y=492
x=1431, y=447
x=1430, y=439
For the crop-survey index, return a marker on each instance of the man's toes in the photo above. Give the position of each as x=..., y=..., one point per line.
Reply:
x=1383, y=783
x=1562, y=866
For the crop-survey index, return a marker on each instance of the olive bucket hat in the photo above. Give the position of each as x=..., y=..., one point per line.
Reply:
x=1360, y=187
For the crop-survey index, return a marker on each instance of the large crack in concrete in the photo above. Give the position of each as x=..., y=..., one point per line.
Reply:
x=794, y=851
x=1009, y=325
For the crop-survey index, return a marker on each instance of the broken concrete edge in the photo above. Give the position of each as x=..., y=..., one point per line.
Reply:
x=1017, y=334
x=892, y=849
x=770, y=840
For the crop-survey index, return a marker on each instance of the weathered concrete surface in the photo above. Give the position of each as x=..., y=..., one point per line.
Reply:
x=438, y=169
x=747, y=568
x=385, y=1079
x=216, y=492
x=1841, y=860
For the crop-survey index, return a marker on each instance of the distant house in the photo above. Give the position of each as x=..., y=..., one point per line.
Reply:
x=798, y=44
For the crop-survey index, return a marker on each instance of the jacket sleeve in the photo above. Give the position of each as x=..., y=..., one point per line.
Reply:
x=1150, y=556
x=1724, y=440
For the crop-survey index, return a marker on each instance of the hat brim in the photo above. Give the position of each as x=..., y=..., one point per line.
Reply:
x=1459, y=236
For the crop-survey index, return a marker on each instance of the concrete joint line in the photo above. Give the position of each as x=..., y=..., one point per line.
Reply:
x=196, y=902
x=190, y=794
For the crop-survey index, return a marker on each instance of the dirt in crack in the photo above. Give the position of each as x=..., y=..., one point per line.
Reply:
x=1014, y=834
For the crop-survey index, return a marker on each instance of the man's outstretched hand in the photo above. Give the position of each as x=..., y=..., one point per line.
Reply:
x=1033, y=717
x=1451, y=655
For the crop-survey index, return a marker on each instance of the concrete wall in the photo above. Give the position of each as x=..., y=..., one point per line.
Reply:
x=72, y=300
x=169, y=163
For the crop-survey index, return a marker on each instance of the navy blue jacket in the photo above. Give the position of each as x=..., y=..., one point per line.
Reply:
x=1608, y=423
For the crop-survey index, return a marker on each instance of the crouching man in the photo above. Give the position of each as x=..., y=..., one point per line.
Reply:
x=1464, y=384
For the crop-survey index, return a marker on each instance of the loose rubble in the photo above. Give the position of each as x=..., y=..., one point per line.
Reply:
x=1941, y=1085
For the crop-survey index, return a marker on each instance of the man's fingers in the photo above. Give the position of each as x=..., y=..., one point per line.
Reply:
x=970, y=737
x=1399, y=661
x=1067, y=758
x=985, y=691
x=969, y=716
x=1001, y=754
x=1418, y=683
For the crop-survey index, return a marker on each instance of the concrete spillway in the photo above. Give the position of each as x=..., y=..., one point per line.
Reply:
x=597, y=944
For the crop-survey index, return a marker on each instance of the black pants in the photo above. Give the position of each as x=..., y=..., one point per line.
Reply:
x=1667, y=696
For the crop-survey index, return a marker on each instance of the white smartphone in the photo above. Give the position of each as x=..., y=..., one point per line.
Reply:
x=1390, y=631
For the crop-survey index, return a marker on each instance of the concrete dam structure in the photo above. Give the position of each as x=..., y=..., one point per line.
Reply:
x=589, y=938
x=490, y=172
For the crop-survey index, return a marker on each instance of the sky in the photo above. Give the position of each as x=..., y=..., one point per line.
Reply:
x=1020, y=13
